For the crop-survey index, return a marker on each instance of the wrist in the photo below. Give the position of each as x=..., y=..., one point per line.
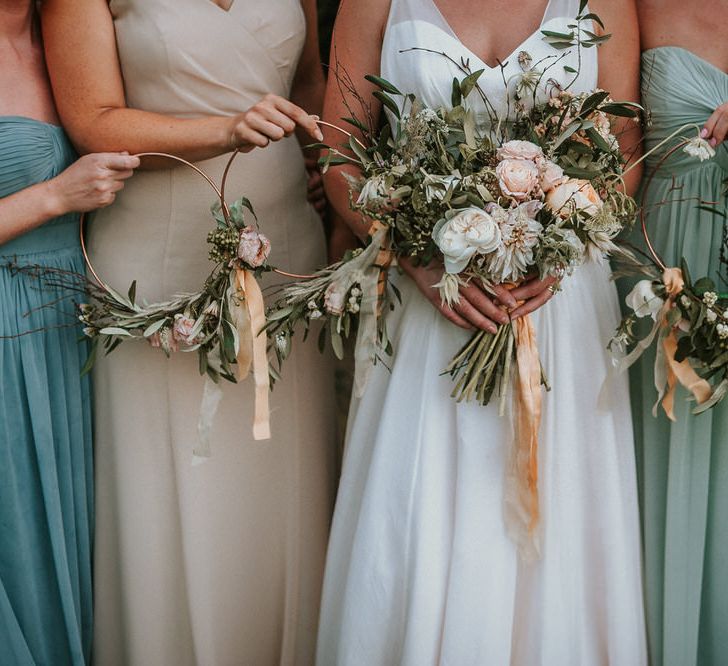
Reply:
x=51, y=200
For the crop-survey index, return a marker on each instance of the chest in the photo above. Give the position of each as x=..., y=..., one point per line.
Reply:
x=24, y=86
x=677, y=23
x=492, y=29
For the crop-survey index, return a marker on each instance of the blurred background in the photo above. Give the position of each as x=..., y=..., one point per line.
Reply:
x=327, y=14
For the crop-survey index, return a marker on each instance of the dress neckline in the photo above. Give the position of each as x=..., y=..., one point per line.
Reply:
x=692, y=54
x=517, y=48
x=219, y=8
x=28, y=119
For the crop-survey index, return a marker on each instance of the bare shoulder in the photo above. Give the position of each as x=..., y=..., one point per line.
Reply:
x=618, y=16
x=363, y=19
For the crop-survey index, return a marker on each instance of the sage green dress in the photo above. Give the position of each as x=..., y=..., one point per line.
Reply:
x=683, y=466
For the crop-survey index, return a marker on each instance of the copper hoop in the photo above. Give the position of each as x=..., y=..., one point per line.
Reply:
x=219, y=191
x=643, y=215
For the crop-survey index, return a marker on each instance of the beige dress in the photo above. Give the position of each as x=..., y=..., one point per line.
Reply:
x=218, y=563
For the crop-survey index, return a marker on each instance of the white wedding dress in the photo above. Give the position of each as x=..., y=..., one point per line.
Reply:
x=420, y=569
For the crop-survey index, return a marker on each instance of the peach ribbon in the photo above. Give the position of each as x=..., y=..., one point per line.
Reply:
x=253, y=350
x=522, y=505
x=674, y=373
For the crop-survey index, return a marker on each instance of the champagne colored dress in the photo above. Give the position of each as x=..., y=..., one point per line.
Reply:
x=218, y=563
x=421, y=570
x=684, y=465
x=46, y=472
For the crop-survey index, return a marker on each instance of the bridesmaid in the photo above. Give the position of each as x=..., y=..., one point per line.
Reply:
x=219, y=563
x=46, y=498
x=684, y=465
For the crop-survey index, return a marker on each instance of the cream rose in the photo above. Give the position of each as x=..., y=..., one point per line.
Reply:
x=517, y=178
x=466, y=233
x=254, y=247
x=519, y=150
x=573, y=195
x=551, y=174
x=643, y=300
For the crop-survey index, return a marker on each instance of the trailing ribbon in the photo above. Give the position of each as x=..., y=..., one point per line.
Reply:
x=675, y=372
x=668, y=372
x=373, y=282
x=247, y=309
x=254, y=351
x=521, y=493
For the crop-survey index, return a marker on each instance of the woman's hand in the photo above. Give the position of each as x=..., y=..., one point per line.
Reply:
x=532, y=294
x=90, y=183
x=716, y=128
x=271, y=119
x=476, y=308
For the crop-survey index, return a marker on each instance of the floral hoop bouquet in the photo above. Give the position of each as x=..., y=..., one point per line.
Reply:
x=208, y=321
x=690, y=318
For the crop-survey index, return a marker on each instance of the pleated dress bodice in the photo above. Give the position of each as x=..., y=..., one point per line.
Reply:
x=32, y=152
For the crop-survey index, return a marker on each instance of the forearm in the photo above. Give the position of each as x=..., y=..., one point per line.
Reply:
x=135, y=131
x=337, y=190
x=26, y=210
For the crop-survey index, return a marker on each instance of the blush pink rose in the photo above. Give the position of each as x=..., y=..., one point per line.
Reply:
x=573, y=195
x=254, y=247
x=519, y=150
x=518, y=179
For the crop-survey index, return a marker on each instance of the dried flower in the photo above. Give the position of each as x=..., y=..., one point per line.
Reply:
x=700, y=148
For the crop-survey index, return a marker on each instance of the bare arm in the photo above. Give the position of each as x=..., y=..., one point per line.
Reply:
x=619, y=73
x=356, y=51
x=91, y=182
x=88, y=88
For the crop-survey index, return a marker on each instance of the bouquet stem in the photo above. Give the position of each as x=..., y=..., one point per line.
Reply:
x=483, y=365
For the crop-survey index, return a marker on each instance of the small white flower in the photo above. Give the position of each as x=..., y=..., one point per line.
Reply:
x=722, y=330
x=355, y=292
x=711, y=316
x=449, y=287
x=353, y=307
x=700, y=148
x=710, y=298
x=282, y=342
x=685, y=301
x=643, y=300
x=315, y=314
x=725, y=315
x=374, y=191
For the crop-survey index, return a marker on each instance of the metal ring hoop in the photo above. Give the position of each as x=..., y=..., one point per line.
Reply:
x=219, y=191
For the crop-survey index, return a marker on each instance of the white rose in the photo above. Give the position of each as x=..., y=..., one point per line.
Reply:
x=573, y=195
x=519, y=150
x=517, y=178
x=468, y=232
x=551, y=174
x=643, y=300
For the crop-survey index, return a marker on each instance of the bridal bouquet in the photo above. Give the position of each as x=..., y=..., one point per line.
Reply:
x=537, y=198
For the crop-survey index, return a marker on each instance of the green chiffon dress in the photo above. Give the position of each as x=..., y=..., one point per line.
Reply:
x=46, y=509
x=683, y=466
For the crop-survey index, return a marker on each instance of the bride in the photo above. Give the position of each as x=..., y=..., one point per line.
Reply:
x=421, y=569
